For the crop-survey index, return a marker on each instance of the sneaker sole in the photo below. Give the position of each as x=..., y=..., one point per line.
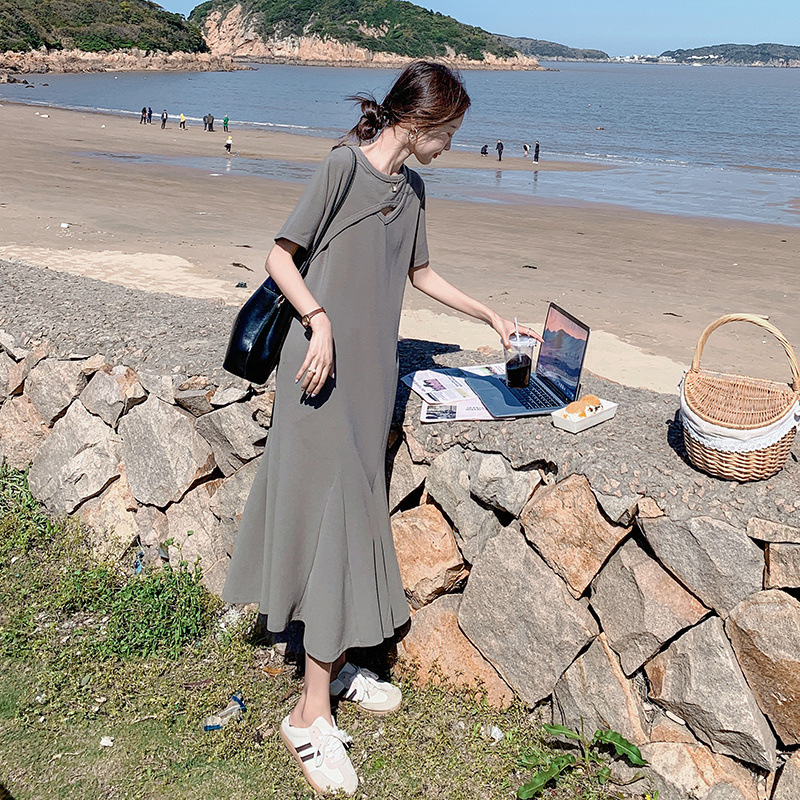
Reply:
x=316, y=787
x=374, y=711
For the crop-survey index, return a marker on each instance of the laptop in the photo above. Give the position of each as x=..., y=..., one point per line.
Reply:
x=556, y=382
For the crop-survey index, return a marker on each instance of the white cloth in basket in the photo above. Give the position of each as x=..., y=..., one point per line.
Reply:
x=732, y=440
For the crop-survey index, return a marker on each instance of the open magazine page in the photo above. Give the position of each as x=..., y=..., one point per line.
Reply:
x=445, y=385
x=454, y=412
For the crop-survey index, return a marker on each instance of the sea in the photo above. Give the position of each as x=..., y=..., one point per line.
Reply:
x=719, y=142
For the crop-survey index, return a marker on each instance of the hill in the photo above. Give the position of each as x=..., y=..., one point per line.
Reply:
x=275, y=29
x=538, y=48
x=95, y=26
x=767, y=54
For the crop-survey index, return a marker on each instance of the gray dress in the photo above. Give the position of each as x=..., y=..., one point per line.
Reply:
x=315, y=543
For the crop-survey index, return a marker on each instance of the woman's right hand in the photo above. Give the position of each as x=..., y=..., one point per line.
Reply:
x=318, y=364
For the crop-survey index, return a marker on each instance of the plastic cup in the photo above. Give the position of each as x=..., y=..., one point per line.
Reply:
x=519, y=359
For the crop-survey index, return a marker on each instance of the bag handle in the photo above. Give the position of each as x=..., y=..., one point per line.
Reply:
x=756, y=320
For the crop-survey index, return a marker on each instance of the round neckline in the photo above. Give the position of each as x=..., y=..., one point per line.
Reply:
x=396, y=179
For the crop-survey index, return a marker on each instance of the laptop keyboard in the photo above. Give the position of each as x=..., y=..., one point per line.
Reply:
x=533, y=396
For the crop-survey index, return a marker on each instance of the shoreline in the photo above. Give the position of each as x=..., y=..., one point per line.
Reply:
x=646, y=283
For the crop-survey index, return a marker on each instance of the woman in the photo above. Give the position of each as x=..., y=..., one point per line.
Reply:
x=314, y=542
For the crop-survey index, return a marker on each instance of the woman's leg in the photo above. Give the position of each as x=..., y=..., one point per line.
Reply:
x=315, y=699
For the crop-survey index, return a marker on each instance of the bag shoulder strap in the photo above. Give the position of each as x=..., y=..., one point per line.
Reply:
x=303, y=268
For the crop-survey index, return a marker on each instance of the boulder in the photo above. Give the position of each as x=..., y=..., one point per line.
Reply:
x=429, y=559
x=620, y=510
x=496, y=483
x=194, y=529
x=714, y=560
x=595, y=693
x=231, y=393
x=783, y=566
x=163, y=453
x=261, y=405
x=111, y=518
x=764, y=530
x=640, y=606
x=18, y=373
x=765, y=632
x=52, y=385
x=228, y=502
x=519, y=614
x=77, y=461
x=6, y=363
x=667, y=729
x=233, y=434
x=698, y=678
x=406, y=476
x=448, y=483
x=22, y=431
x=113, y=393
x=788, y=786
x=11, y=347
x=157, y=383
x=437, y=647
x=196, y=401
x=647, y=507
x=94, y=364
x=563, y=523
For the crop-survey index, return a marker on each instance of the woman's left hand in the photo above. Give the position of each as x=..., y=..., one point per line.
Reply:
x=505, y=327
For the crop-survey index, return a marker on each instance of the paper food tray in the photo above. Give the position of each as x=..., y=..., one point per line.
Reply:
x=607, y=410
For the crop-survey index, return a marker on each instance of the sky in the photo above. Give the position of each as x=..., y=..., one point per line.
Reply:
x=621, y=27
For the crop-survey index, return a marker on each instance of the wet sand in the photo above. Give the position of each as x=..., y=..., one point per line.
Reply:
x=646, y=283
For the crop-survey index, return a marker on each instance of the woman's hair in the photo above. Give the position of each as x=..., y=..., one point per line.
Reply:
x=424, y=96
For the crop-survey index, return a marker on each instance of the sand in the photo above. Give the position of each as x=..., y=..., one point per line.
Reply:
x=647, y=283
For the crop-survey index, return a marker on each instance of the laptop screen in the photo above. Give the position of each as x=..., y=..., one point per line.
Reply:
x=562, y=352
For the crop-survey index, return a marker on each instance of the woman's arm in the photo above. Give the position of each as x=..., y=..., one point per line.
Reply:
x=318, y=363
x=434, y=285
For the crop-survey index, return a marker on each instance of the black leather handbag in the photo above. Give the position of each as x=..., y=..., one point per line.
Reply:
x=263, y=322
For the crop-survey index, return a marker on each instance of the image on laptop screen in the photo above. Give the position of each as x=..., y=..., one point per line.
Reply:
x=561, y=354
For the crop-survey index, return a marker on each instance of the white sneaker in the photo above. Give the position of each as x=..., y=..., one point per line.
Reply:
x=366, y=689
x=320, y=752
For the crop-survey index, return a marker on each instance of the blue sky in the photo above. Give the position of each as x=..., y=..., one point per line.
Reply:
x=622, y=27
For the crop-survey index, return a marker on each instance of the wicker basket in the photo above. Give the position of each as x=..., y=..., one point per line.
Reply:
x=739, y=403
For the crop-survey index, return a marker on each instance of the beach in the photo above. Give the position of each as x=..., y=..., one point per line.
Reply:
x=646, y=283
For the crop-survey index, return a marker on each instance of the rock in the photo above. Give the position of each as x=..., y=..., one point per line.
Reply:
x=764, y=630
x=713, y=559
x=640, y=605
x=77, y=461
x=195, y=401
x=193, y=529
x=52, y=385
x=647, y=507
x=563, y=523
x=430, y=563
x=6, y=364
x=665, y=729
x=519, y=614
x=111, y=518
x=766, y=531
x=788, y=787
x=18, y=373
x=783, y=566
x=233, y=435
x=494, y=482
x=229, y=500
x=595, y=692
x=448, y=483
x=10, y=346
x=112, y=394
x=162, y=386
x=620, y=510
x=437, y=646
x=233, y=393
x=163, y=453
x=22, y=431
x=261, y=405
x=92, y=364
x=406, y=476
x=698, y=678
x=153, y=532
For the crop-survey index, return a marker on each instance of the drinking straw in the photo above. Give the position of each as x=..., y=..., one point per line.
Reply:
x=516, y=328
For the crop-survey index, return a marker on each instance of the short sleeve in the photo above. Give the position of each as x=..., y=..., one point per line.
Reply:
x=421, y=256
x=304, y=222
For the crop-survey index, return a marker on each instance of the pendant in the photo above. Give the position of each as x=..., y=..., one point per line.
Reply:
x=394, y=187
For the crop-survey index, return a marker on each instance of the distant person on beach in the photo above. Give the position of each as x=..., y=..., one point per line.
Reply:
x=315, y=541
x=499, y=148
x=536, y=152
x=144, y=116
x=205, y=122
x=525, y=149
x=485, y=151
x=182, y=122
x=211, y=122
x=149, y=115
x=163, y=119
x=228, y=144
x=225, y=123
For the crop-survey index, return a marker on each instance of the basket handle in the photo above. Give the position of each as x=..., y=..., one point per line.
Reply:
x=762, y=323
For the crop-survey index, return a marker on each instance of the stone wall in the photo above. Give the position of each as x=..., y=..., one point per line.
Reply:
x=598, y=577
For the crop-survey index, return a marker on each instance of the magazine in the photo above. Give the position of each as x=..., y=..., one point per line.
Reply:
x=454, y=412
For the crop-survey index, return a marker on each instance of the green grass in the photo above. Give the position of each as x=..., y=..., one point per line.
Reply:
x=87, y=651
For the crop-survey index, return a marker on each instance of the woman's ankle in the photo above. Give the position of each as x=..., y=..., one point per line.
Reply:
x=304, y=714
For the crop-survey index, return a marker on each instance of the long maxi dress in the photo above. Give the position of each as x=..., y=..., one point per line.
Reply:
x=314, y=543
